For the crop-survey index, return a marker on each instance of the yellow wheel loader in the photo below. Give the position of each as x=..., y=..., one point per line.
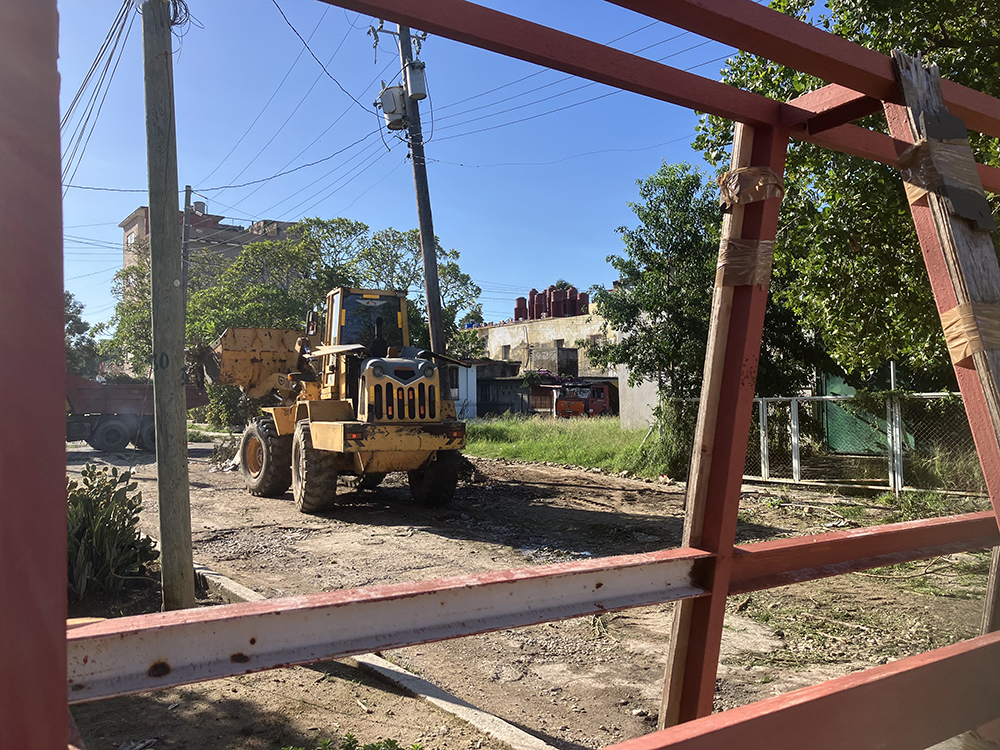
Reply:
x=353, y=405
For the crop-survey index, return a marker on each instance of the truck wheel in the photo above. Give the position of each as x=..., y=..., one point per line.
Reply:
x=314, y=473
x=111, y=435
x=434, y=485
x=145, y=440
x=364, y=482
x=265, y=458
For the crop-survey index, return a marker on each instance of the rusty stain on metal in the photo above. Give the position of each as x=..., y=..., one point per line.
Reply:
x=239, y=658
x=159, y=669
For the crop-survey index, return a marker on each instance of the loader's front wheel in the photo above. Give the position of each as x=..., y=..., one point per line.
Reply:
x=434, y=485
x=314, y=473
x=265, y=458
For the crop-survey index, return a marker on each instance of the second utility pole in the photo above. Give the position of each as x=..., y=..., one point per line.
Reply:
x=427, y=244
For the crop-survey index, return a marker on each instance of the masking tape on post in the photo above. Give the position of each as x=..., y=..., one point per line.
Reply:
x=924, y=164
x=744, y=262
x=971, y=328
x=748, y=185
x=947, y=168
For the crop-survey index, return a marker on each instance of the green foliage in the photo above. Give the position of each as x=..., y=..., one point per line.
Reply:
x=82, y=356
x=131, y=327
x=350, y=742
x=662, y=305
x=668, y=447
x=847, y=261
x=467, y=344
x=103, y=538
x=915, y=504
x=229, y=408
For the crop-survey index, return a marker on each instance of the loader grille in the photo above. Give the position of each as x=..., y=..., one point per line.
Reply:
x=404, y=403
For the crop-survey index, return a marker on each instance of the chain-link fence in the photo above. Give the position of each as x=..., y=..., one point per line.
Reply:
x=920, y=441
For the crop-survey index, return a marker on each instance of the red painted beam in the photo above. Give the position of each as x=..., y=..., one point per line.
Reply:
x=761, y=31
x=32, y=443
x=515, y=37
x=833, y=105
x=909, y=704
x=783, y=561
x=508, y=35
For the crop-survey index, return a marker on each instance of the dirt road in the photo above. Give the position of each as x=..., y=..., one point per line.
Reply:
x=582, y=683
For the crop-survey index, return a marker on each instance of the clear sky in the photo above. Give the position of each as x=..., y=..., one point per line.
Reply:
x=530, y=170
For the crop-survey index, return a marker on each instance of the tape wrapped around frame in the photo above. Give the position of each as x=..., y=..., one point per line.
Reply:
x=744, y=262
x=748, y=185
x=971, y=328
x=947, y=168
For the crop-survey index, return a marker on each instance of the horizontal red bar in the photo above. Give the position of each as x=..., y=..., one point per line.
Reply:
x=772, y=35
x=769, y=564
x=508, y=35
x=909, y=704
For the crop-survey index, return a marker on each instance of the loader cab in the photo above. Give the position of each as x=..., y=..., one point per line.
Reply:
x=367, y=316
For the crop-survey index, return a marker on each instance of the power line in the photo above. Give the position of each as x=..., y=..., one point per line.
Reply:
x=320, y=62
x=267, y=103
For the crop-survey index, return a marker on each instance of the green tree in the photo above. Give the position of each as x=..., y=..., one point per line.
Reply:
x=847, y=261
x=662, y=304
x=82, y=355
x=131, y=328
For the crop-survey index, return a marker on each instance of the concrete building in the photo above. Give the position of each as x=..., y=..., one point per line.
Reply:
x=548, y=344
x=207, y=232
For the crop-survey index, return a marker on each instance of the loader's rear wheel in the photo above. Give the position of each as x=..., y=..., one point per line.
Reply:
x=111, y=435
x=265, y=458
x=314, y=473
x=434, y=485
x=364, y=482
x=145, y=440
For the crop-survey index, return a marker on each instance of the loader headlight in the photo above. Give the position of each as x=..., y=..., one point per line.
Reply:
x=377, y=371
x=427, y=370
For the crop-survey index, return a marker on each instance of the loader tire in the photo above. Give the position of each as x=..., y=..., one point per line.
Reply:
x=314, y=473
x=364, y=482
x=265, y=458
x=111, y=435
x=434, y=485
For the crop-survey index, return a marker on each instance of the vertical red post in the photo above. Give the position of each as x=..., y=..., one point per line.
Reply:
x=724, y=425
x=32, y=384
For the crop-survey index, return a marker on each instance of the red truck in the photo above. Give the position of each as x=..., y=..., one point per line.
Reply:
x=109, y=416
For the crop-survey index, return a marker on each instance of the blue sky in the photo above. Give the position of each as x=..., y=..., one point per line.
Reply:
x=525, y=203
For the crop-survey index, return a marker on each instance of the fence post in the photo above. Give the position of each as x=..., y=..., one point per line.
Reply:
x=796, y=463
x=765, y=469
x=890, y=435
x=897, y=442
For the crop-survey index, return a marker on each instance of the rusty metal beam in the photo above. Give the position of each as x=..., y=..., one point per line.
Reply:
x=32, y=447
x=909, y=704
x=118, y=656
x=761, y=31
x=134, y=654
x=783, y=561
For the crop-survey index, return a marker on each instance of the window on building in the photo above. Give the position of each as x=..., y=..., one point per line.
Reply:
x=130, y=240
x=504, y=352
x=559, y=343
x=453, y=378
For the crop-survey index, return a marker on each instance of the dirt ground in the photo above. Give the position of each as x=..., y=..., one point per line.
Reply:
x=582, y=683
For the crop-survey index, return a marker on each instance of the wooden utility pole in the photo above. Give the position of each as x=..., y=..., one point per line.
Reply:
x=185, y=240
x=427, y=244
x=177, y=564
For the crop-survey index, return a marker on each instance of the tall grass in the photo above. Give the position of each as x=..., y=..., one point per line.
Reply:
x=598, y=442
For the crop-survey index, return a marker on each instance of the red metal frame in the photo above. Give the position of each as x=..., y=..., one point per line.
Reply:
x=899, y=705
x=32, y=447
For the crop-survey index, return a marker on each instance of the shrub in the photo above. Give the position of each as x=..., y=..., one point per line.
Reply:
x=103, y=540
x=229, y=408
x=668, y=449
